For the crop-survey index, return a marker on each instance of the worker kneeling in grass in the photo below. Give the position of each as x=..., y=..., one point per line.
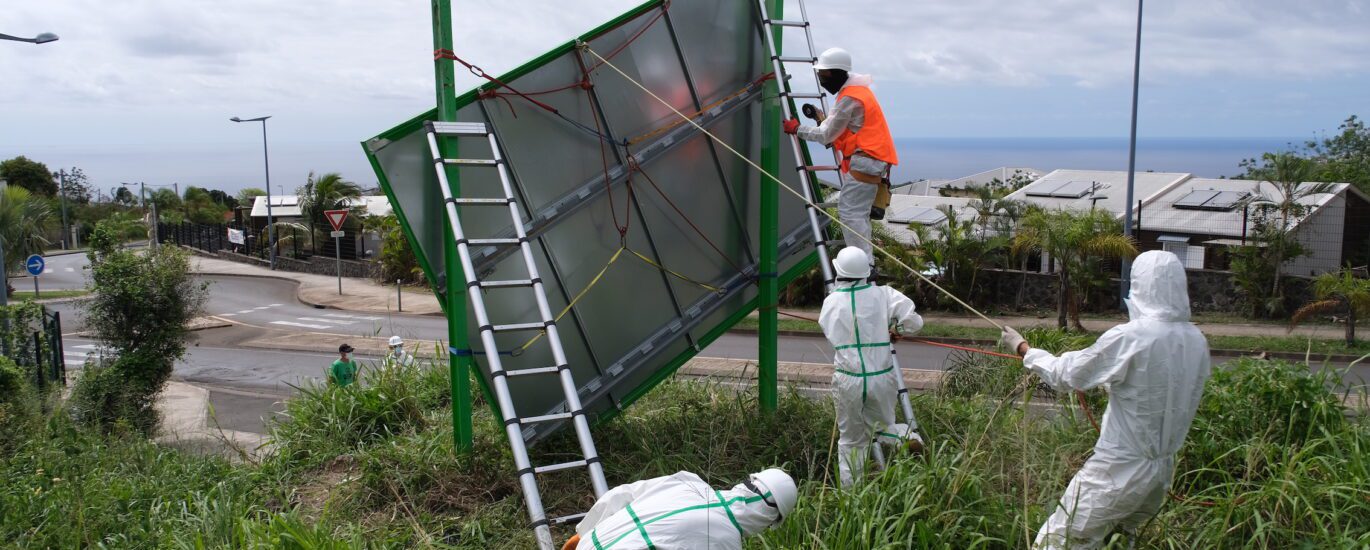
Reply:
x=1154, y=368
x=681, y=511
x=856, y=318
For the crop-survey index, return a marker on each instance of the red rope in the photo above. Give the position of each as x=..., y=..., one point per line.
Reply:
x=634, y=166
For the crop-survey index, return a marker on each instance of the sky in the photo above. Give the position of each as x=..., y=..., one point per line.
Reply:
x=142, y=90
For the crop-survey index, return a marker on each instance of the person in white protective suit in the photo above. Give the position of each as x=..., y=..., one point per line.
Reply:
x=397, y=355
x=1154, y=368
x=856, y=318
x=682, y=512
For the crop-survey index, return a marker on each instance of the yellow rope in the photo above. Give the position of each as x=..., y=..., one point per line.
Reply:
x=579, y=295
x=782, y=185
x=703, y=285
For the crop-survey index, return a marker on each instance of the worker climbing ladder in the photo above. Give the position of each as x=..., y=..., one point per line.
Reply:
x=527, y=473
x=770, y=28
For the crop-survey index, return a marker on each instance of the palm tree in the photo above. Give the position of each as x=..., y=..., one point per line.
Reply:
x=326, y=192
x=23, y=220
x=1335, y=290
x=1287, y=173
x=1078, y=242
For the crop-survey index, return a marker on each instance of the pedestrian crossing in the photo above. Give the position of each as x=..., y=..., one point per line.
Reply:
x=317, y=321
x=76, y=356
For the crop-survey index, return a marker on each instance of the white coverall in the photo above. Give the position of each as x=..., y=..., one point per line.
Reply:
x=855, y=201
x=1154, y=369
x=856, y=318
x=400, y=358
x=675, y=512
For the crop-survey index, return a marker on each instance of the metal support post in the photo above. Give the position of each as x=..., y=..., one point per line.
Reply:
x=1126, y=275
x=459, y=350
x=768, y=352
x=62, y=192
x=337, y=259
x=399, y=296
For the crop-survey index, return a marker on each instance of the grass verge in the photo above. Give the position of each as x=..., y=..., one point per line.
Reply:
x=48, y=294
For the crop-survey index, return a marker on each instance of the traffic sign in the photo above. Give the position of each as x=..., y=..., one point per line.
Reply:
x=336, y=218
x=35, y=265
x=337, y=234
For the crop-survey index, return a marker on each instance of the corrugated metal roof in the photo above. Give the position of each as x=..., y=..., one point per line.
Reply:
x=1162, y=215
x=1110, y=193
x=288, y=206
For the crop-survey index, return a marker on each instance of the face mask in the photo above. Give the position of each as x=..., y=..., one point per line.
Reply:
x=832, y=81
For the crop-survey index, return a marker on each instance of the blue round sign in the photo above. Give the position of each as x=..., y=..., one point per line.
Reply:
x=35, y=265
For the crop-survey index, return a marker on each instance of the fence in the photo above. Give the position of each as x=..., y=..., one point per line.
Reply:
x=31, y=336
x=291, y=241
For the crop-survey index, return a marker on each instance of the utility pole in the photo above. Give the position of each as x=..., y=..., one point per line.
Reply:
x=62, y=191
x=1125, y=279
x=4, y=278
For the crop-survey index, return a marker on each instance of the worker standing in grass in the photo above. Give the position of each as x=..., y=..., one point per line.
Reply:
x=856, y=318
x=857, y=129
x=1154, y=368
x=343, y=372
x=397, y=356
x=682, y=512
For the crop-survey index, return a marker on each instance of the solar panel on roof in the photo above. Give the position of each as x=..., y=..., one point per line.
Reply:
x=1074, y=189
x=1045, y=189
x=1195, y=199
x=1226, y=200
x=917, y=214
x=1209, y=199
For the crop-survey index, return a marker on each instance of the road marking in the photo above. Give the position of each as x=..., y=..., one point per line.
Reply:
x=317, y=320
x=69, y=270
x=260, y=308
x=245, y=311
x=275, y=305
x=227, y=314
x=87, y=346
x=49, y=270
x=303, y=325
x=346, y=316
x=75, y=363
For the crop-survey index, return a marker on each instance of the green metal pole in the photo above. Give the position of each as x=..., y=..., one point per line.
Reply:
x=767, y=335
x=444, y=72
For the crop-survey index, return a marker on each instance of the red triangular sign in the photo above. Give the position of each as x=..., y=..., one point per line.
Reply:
x=336, y=218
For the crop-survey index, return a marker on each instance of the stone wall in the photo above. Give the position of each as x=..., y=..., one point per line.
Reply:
x=317, y=265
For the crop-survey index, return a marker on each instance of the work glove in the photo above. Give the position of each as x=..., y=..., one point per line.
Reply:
x=791, y=126
x=1010, y=339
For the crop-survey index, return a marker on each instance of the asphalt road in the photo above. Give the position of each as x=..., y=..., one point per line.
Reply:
x=61, y=272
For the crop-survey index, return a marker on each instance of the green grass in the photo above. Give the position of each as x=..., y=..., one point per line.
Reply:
x=49, y=294
x=1271, y=462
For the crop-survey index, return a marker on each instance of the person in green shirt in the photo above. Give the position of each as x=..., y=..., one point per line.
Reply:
x=344, y=369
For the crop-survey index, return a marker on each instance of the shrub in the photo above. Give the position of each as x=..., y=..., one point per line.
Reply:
x=18, y=406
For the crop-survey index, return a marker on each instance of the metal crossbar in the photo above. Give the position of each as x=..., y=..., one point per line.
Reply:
x=513, y=424
x=806, y=171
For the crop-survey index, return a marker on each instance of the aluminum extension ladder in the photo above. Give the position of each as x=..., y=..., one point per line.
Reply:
x=527, y=473
x=806, y=173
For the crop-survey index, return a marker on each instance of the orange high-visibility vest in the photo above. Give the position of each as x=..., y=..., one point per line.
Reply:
x=874, y=138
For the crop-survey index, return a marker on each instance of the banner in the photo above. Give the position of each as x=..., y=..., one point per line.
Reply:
x=235, y=236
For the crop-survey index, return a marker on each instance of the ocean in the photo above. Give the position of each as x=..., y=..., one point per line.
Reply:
x=946, y=158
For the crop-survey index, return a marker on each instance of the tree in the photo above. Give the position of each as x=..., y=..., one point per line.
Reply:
x=75, y=186
x=1276, y=216
x=1078, y=242
x=125, y=197
x=246, y=196
x=167, y=202
x=29, y=174
x=223, y=199
x=326, y=192
x=1334, y=291
x=200, y=206
x=24, y=218
x=139, y=307
x=396, y=258
x=1344, y=157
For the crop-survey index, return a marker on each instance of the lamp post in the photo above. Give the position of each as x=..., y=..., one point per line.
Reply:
x=1125, y=281
x=266, y=159
x=43, y=38
x=62, y=191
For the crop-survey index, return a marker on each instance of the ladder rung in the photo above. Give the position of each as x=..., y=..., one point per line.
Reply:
x=822, y=168
x=783, y=23
x=802, y=95
x=797, y=59
x=563, y=520
x=512, y=283
x=529, y=372
x=479, y=202
x=492, y=242
x=519, y=326
x=559, y=467
x=472, y=162
x=545, y=418
x=460, y=128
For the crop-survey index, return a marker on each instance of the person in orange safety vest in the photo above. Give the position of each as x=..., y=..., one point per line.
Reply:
x=856, y=128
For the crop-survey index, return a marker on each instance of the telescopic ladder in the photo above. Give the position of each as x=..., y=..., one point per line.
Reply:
x=806, y=172
x=527, y=473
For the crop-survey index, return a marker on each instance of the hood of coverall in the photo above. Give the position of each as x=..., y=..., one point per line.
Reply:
x=755, y=516
x=1159, y=291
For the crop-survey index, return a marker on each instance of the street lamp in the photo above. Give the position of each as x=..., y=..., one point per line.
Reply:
x=266, y=159
x=1125, y=277
x=40, y=39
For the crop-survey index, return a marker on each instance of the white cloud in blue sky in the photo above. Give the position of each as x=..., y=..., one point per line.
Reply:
x=143, y=89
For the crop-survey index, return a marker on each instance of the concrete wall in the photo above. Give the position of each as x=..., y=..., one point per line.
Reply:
x=317, y=265
x=1209, y=291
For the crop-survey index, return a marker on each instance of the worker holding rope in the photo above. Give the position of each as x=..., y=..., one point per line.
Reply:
x=1154, y=368
x=857, y=129
x=856, y=318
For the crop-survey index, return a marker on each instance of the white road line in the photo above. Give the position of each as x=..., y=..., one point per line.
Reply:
x=227, y=314
x=75, y=363
x=260, y=308
x=87, y=346
x=334, y=321
x=68, y=270
x=346, y=316
x=244, y=311
x=275, y=305
x=303, y=325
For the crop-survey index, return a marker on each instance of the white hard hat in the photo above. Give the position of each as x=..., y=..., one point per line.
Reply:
x=852, y=263
x=781, y=487
x=396, y=341
x=833, y=58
